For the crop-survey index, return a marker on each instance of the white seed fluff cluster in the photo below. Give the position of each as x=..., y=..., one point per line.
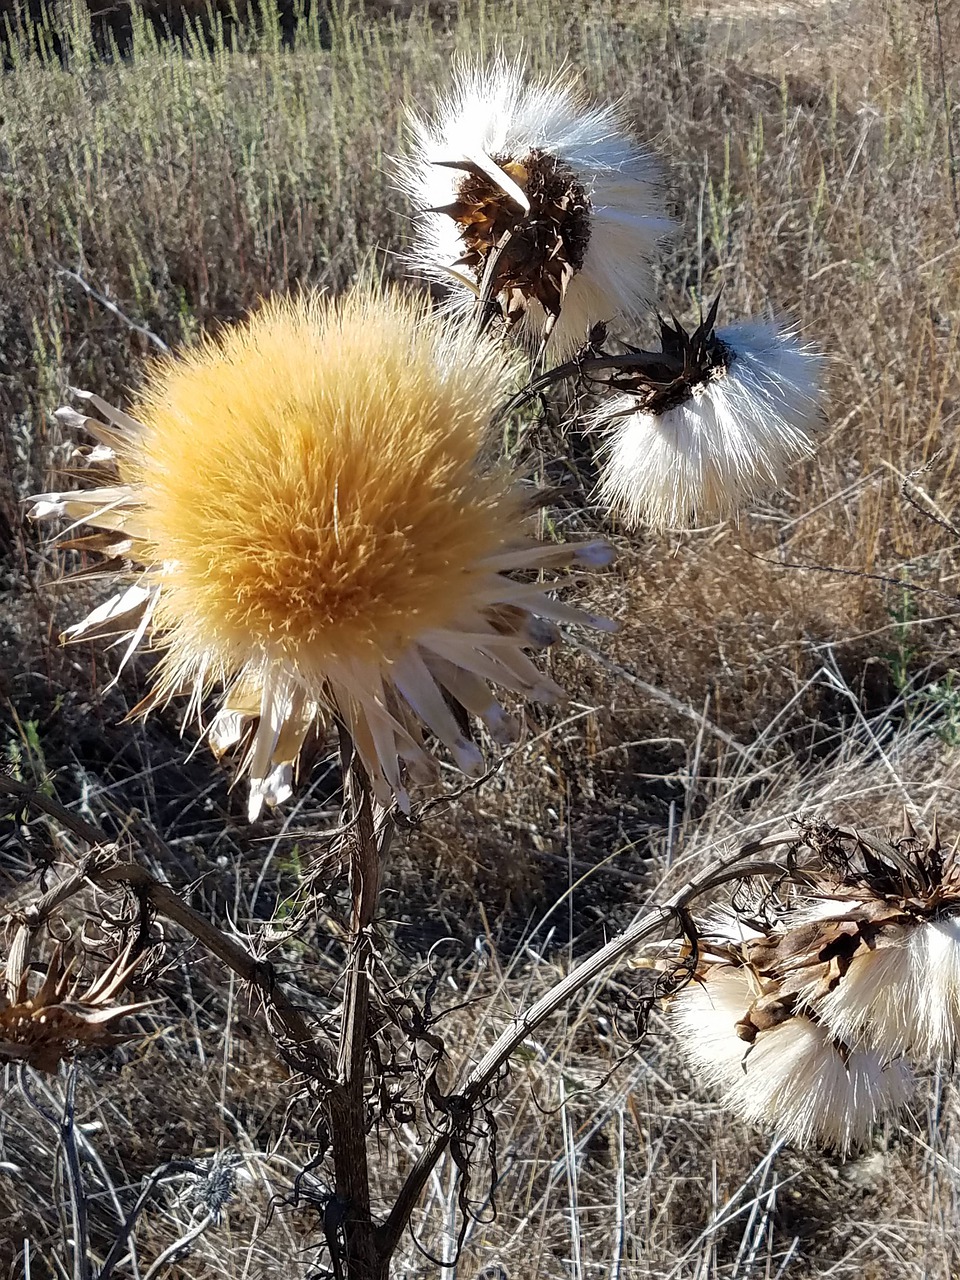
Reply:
x=533, y=200
x=810, y=1002
x=733, y=434
x=902, y=996
x=795, y=1078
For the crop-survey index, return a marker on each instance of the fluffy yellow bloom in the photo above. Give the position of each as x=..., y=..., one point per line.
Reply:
x=313, y=522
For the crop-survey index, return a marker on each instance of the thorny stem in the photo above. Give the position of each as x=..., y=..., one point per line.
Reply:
x=487, y=1069
x=369, y=839
x=353, y=1236
x=104, y=869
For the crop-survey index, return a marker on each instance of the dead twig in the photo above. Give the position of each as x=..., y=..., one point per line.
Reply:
x=114, y=309
x=106, y=868
x=464, y=1100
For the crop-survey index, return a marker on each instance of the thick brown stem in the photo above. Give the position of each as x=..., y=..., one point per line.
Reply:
x=371, y=830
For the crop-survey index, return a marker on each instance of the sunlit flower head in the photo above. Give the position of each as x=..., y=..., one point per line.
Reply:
x=306, y=515
x=525, y=180
x=779, y=1069
x=718, y=419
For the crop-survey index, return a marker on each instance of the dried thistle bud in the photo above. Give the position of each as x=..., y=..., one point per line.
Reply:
x=717, y=418
x=43, y=1027
x=525, y=188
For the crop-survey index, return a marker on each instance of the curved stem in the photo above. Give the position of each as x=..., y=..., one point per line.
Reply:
x=388, y=1237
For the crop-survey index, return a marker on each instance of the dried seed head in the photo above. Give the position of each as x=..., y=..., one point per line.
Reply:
x=781, y=1069
x=533, y=250
x=884, y=969
x=720, y=417
x=526, y=189
x=849, y=963
x=46, y=1026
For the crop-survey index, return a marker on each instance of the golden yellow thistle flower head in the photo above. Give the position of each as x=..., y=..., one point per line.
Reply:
x=311, y=519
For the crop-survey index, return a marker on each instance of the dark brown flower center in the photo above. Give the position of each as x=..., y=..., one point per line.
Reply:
x=687, y=360
x=537, y=251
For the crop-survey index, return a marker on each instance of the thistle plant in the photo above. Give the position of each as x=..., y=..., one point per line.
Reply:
x=813, y=997
x=306, y=518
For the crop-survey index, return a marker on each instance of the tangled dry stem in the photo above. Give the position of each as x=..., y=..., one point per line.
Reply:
x=360, y=1247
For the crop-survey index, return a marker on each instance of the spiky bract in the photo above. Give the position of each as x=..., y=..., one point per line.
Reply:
x=311, y=519
x=43, y=1023
x=581, y=201
x=721, y=420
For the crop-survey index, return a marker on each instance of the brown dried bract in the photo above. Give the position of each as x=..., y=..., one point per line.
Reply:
x=663, y=381
x=43, y=1028
x=538, y=251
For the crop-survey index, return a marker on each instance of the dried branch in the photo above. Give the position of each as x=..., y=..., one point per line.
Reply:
x=82, y=1268
x=174, y=1251
x=104, y=868
x=113, y=309
x=470, y=1094
x=122, y=1242
x=370, y=832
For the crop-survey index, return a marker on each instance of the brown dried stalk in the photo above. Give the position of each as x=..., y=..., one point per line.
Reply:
x=371, y=829
x=470, y=1093
x=104, y=867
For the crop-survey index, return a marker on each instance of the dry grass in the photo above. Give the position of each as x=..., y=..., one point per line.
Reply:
x=811, y=164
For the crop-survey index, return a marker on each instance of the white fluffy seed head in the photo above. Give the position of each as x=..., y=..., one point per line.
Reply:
x=794, y=1078
x=903, y=997
x=705, y=1014
x=494, y=111
x=734, y=435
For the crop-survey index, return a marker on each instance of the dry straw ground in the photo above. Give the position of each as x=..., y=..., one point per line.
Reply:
x=801, y=659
